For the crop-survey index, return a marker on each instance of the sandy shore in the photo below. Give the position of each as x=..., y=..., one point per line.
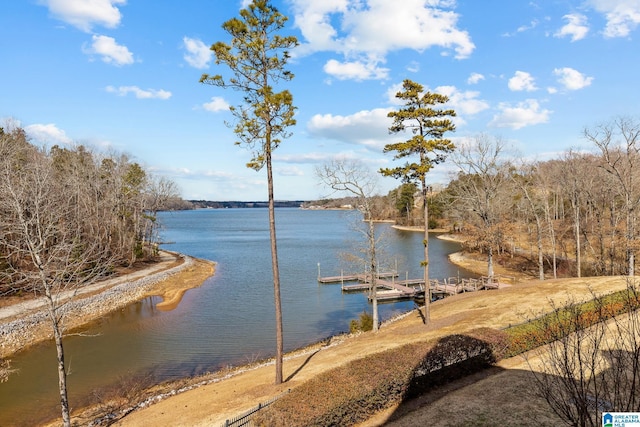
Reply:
x=27, y=323
x=222, y=395
x=216, y=397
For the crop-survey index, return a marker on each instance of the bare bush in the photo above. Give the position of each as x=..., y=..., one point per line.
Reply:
x=592, y=363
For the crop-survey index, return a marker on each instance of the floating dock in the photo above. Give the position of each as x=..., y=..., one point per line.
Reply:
x=354, y=277
x=390, y=289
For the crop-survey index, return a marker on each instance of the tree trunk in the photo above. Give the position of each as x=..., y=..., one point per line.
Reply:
x=576, y=222
x=630, y=237
x=553, y=248
x=275, y=269
x=425, y=262
x=374, y=272
x=490, y=264
x=540, y=248
x=62, y=373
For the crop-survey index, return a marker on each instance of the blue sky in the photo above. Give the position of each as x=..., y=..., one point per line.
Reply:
x=123, y=75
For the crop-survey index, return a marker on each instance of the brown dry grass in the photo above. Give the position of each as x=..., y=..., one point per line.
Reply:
x=502, y=395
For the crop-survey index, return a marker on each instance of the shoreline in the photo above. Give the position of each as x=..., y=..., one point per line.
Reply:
x=418, y=228
x=182, y=391
x=25, y=324
x=218, y=396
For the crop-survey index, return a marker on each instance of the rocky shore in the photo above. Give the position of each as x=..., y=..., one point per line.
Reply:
x=32, y=325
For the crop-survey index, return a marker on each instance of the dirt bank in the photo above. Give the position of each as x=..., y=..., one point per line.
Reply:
x=224, y=395
x=502, y=394
x=26, y=323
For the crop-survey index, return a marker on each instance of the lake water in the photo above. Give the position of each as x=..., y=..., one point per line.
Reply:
x=230, y=319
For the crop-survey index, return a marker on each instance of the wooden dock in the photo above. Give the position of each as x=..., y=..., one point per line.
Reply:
x=390, y=289
x=354, y=277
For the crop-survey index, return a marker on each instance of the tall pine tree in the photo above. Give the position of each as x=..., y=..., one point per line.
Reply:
x=426, y=148
x=256, y=58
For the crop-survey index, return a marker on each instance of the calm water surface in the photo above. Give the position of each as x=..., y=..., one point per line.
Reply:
x=230, y=319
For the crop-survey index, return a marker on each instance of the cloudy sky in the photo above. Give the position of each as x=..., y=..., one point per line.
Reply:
x=123, y=75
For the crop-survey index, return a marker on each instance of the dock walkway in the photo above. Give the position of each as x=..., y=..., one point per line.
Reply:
x=354, y=277
x=391, y=289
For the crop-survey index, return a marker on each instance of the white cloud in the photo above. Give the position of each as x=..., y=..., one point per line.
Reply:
x=306, y=157
x=198, y=54
x=572, y=79
x=371, y=29
x=413, y=67
x=524, y=28
x=463, y=102
x=623, y=16
x=391, y=94
x=355, y=70
x=368, y=128
x=217, y=104
x=576, y=27
x=525, y=113
x=319, y=157
x=84, y=14
x=49, y=134
x=290, y=171
x=475, y=78
x=111, y=52
x=522, y=81
x=139, y=93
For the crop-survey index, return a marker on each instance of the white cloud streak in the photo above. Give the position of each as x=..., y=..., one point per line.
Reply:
x=572, y=79
x=365, y=31
x=356, y=70
x=463, y=102
x=109, y=50
x=367, y=128
x=523, y=114
x=198, y=54
x=47, y=134
x=475, y=78
x=216, y=104
x=623, y=16
x=84, y=14
x=576, y=27
x=139, y=93
x=522, y=81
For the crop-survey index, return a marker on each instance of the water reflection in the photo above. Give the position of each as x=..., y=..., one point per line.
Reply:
x=229, y=320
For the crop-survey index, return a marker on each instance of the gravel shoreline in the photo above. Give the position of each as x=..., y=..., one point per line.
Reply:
x=35, y=327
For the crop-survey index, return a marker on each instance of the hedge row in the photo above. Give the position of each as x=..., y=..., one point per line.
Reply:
x=354, y=392
x=564, y=320
x=357, y=390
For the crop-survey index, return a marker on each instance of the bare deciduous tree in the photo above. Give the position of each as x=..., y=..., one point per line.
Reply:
x=534, y=197
x=619, y=142
x=588, y=370
x=481, y=192
x=53, y=250
x=352, y=177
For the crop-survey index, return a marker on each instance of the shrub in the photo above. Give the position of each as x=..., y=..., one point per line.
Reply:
x=355, y=391
x=364, y=323
x=564, y=320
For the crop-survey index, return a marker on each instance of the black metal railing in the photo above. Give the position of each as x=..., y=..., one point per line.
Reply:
x=245, y=418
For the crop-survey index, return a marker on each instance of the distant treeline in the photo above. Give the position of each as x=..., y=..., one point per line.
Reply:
x=200, y=204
